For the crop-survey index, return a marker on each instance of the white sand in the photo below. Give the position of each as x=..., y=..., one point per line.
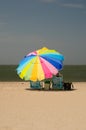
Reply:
x=22, y=109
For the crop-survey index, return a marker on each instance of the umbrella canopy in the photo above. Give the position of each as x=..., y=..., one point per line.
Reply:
x=40, y=64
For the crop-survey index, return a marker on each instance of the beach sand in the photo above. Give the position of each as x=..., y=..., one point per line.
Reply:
x=24, y=109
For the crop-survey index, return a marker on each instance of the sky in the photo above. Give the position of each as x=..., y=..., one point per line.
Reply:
x=28, y=25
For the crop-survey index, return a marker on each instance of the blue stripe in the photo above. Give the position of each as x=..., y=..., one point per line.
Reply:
x=23, y=63
x=56, y=63
x=54, y=56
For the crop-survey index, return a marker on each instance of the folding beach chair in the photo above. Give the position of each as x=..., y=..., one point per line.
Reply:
x=57, y=83
x=47, y=84
x=35, y=85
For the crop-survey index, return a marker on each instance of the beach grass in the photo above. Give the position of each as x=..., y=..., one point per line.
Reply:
x=71, y=73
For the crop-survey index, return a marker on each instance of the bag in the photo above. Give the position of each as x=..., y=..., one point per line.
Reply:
x=68, y=85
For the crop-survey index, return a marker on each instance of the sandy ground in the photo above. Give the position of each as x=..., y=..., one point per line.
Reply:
x=24, y=109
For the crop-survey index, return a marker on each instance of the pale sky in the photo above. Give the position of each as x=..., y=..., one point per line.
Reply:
x=27, y=25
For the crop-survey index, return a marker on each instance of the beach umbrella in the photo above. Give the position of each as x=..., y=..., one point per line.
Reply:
x=40, y=64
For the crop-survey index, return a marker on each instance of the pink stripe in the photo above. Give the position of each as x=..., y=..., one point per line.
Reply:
x=49, y=66
x=48, y=69
x=47, y=72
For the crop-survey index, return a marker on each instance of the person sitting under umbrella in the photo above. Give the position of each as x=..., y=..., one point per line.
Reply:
x=58, y=74
x=47, y=84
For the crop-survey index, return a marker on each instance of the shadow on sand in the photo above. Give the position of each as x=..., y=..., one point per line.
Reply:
x=50, y=90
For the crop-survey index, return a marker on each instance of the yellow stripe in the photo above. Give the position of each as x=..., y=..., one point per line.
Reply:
x=37, y=73
x=42, y=50
x=41, y=75
x=34, y=71
x=45, y=50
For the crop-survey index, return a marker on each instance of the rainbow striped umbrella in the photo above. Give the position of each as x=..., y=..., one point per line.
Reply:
x=40, y=64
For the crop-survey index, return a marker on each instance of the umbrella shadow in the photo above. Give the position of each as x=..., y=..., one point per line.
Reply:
x=50, y=90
